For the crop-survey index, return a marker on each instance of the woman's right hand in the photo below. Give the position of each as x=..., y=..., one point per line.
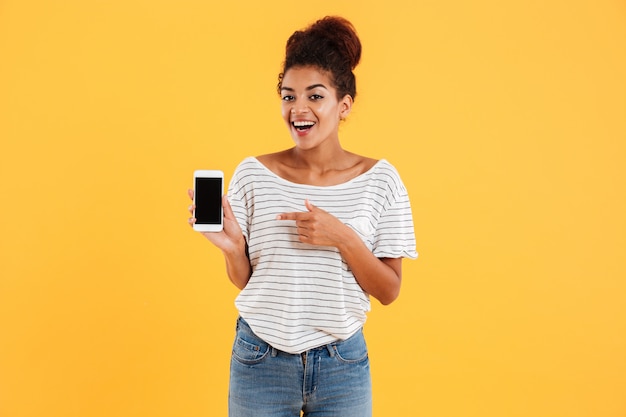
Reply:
x=230, y=239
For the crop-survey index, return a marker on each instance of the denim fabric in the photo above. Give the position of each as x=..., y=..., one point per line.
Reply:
x=329, y=381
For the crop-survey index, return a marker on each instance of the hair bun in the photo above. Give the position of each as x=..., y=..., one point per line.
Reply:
x=340, y=32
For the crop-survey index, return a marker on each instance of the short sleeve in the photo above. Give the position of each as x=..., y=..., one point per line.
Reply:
x=238, y=198
x=395, y=235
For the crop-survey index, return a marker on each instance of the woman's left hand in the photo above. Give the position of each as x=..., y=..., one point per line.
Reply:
x=316, y=226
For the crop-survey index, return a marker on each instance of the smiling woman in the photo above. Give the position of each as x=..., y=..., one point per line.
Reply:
x=311, y=108
x=306, y=270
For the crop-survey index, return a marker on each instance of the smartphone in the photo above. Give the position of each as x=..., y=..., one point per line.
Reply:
x=207, y=199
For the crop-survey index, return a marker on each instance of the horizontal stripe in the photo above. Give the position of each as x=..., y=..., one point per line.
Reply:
x=302, y=296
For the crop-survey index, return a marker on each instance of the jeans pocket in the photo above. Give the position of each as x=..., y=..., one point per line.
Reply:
x=249, y=352
x=351, y=350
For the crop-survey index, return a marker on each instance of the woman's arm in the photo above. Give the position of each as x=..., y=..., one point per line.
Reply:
x=238, y=264
x=232, y=244
x=379, y=277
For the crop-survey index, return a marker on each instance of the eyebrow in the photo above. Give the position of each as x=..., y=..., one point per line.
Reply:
x=309, y=88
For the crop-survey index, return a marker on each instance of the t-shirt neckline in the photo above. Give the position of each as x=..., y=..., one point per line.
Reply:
x=345, y=183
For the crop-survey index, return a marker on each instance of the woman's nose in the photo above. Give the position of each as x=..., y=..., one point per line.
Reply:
x=299, y=108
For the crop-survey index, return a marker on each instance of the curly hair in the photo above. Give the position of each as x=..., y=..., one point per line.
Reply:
x=330, y=44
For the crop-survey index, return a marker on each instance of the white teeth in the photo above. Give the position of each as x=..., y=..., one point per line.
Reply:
x=302, y=123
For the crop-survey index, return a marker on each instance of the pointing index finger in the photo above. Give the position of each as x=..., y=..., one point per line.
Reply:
x=287, y=216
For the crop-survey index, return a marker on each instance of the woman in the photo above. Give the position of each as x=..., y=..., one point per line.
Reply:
x=309, y=234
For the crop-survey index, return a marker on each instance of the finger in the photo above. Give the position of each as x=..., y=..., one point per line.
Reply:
x=190, y=193
x=288, y=216
x=191, y=208
x=312, y=207
x=191, y=221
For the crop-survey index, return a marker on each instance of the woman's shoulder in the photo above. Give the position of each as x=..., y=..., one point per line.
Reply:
x=248, y=170
x=364, y=163
x=272, y=160
x=386, y=173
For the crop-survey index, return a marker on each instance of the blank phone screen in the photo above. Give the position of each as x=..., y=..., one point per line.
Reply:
x=208, y=200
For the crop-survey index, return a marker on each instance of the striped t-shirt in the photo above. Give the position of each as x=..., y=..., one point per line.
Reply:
x=302, y=296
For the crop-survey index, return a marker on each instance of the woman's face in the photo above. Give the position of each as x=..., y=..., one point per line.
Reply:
x=310, y=107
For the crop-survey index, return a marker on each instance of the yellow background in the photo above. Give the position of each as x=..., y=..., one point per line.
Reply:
x=506, y=120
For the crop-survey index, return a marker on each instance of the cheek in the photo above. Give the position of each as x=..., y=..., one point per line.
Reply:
x=325, y=111
x=284, y=111
x=330, y=111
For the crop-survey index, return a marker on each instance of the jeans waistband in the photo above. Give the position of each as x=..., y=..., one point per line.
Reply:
x=243, y=325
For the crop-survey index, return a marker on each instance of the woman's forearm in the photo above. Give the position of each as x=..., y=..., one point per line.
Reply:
x=381, y=278
x=238, y=265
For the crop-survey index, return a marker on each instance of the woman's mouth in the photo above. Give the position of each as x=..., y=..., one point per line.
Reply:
x=302, y=125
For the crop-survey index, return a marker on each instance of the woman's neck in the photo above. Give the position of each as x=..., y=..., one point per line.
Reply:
x=318, y=161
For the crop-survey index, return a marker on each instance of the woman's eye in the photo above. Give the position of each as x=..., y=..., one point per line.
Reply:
x=287, y=98
x=316, y=97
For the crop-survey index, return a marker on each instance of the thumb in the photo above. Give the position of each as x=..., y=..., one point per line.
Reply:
x=309, y=206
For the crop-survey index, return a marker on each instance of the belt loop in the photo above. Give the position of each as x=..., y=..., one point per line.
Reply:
x=331, y=350
x=274, y=352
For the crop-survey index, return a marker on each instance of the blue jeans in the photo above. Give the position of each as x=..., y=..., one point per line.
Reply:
x=329, y=381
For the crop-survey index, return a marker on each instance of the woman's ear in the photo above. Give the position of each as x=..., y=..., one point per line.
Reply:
x=345, y=105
